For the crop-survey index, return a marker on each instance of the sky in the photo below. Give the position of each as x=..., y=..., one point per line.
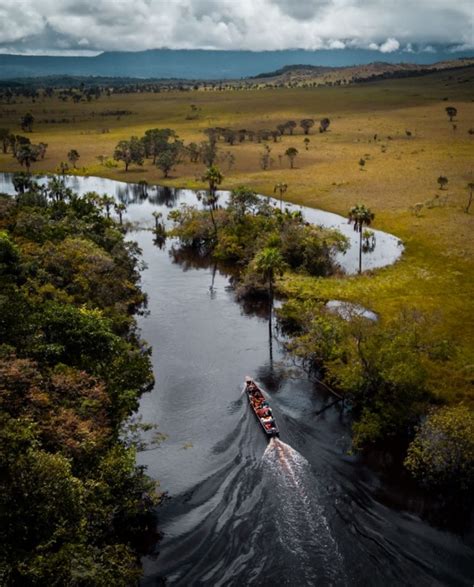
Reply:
x=90, y=26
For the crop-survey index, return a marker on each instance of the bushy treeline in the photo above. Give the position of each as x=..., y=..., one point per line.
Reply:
x=393, y=373
x=249, y=226
x=72, y=367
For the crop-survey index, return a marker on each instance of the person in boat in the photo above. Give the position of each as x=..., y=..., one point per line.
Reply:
x=251, y=387
x=261, y=412
x=267, y=420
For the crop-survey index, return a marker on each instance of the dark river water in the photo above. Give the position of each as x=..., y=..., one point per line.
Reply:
x=241, y=511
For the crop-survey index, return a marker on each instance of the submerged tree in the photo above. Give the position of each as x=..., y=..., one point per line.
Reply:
x=281, y=189
x=269, y=263
x=120, y=209
x=361, y=216
x=214, y=178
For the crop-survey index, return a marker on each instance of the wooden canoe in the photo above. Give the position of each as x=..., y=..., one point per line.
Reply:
x=260, y=407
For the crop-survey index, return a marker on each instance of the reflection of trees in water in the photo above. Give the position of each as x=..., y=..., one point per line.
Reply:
x=159, y=241
x=189, y=258
x=164, y=196
x=135, y=193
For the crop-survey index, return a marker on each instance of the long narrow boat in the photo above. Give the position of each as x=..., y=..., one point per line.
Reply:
x=260, y=407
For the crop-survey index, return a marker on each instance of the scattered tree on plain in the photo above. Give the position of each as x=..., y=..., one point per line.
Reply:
x=26, y=122
x=324, y=124
x=442, y=182
x=291, y=153
x=73, y=157
x=131, y=151
x=306, y=124
x=169, y=157
x=452, y=112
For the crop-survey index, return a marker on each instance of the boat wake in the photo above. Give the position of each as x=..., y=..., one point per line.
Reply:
x=302, y=527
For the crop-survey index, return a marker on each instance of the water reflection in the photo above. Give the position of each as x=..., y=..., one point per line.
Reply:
x=142, y=199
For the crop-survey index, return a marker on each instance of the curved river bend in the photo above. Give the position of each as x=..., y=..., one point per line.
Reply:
x=297, y=511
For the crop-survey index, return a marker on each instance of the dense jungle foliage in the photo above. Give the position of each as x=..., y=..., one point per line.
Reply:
x=73, y=503
x=247, y=227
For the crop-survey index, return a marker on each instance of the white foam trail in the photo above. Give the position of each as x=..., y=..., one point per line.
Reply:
x=303, y=527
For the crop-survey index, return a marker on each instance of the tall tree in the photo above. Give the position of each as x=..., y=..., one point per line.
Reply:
x=306, y=124
x=281, y=189
x=5, y=139
x=131, y=151
x=291, y=153
x=360, y=216
x=73, y=157
x=120, y=208
x=213, y=177
x=169, y=157
x=324, y=124
x=22, y=182
x=452, y=112
x=269, y=263
x=26, y=122
x=442, y=182
x=27, y=154
x=291, y=125
x=156, y=140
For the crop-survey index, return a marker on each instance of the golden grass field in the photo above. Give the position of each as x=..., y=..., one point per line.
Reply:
x=436, y=272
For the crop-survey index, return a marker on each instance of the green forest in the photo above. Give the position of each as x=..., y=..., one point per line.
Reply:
x=74, y=504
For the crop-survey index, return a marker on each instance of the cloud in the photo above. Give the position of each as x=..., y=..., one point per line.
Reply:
x=384, y=25
x=389, y=46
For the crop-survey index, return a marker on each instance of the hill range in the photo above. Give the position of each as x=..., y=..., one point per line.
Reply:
x=212, y=65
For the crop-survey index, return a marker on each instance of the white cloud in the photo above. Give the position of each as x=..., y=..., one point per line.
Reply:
x=389, y=46
x=384, y=25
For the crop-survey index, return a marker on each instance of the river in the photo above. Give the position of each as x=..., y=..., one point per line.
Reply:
x=241, y=511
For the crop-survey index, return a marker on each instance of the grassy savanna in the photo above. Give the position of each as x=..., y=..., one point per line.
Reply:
x=436, y=273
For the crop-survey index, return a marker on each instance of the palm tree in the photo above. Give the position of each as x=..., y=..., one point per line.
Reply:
x=269, y=262
x=214, y=178
x=107, y=203
x=281, y=189
x=120, y=208
x=361, y=216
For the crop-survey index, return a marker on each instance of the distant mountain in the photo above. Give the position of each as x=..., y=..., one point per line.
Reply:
x=304, y=74
x=198, y=64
